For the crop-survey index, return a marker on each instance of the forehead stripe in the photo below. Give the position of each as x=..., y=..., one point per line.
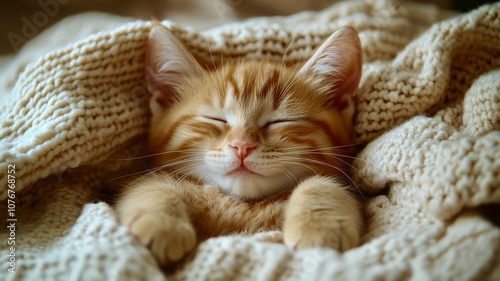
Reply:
x=230, y=79
x=272, y=80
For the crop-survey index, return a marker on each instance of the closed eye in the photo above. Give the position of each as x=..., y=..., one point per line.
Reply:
x=215, y=119
x=280, y=122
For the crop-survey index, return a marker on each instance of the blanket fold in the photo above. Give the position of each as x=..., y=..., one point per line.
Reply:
x=428, y=112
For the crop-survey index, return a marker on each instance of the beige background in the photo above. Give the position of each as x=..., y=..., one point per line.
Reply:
x=200, y=14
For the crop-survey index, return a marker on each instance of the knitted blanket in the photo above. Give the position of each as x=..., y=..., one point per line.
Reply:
x=428, y=112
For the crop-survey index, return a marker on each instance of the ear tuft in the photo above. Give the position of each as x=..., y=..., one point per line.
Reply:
x=168, y=63
x=338, y=63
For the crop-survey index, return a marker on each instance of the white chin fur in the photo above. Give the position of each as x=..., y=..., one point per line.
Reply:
x=249, y=186
x=252, y=186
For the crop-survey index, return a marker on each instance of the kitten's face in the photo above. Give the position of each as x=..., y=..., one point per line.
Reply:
x=251, y=128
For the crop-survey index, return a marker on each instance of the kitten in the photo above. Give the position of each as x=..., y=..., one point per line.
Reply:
x=250, y=146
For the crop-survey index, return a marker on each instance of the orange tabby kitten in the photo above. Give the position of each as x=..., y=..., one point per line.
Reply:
x=250, y=146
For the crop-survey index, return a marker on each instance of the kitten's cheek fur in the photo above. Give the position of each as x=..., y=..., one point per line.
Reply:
x=322, y=213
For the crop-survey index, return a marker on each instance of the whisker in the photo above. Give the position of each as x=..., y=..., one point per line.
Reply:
x=328, y=165
x=204, y=175
x=348, y=164
x=292, y=77
x=187, y=174
x=288, y=174
x=184, y=171
x=125, y=176
x=334, y=155
x=181, y=160
x=156, y=154
x=284, y=55
x=338, y=155
x=322, y=148
x=220, y=74
x=219, y=81
x=148, y=171
x=293, y=83
x=170, y=164
x=296, y=163
x=318, y=151
x=218, y=85
x=211, y=55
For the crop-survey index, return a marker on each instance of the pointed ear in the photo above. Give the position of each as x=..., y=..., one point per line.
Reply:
x=168, y=63
x=338, y=63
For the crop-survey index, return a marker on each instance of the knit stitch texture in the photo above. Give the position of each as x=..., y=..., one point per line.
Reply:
x=428, y=110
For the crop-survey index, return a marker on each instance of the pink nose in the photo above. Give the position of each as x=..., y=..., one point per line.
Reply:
x=243, y=147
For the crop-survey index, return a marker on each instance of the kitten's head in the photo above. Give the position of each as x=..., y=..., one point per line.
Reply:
x=253, y=128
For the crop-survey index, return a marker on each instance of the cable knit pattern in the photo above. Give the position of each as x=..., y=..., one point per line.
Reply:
x=428, y=110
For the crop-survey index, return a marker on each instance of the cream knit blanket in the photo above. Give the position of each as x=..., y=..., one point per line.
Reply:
x=429, y=111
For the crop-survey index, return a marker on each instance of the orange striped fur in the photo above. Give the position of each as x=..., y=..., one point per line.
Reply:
x=250, y=146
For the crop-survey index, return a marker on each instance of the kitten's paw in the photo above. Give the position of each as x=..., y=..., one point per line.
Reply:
x=169, y=238
x=322, y=213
